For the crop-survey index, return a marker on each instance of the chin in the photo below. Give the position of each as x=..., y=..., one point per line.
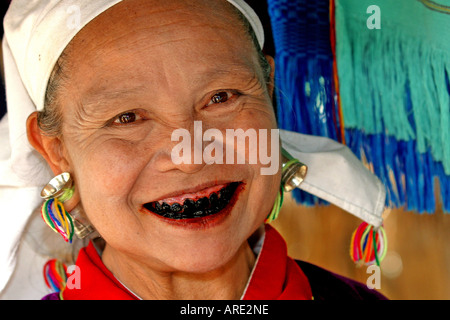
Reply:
x=199, y=258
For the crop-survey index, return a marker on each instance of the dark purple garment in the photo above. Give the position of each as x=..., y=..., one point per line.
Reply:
x=325, y=285
x=51, y=296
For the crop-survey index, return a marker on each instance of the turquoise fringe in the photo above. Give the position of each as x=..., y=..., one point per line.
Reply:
x=395, y=80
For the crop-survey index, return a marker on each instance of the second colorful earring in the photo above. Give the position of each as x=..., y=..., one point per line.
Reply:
x=293, y=174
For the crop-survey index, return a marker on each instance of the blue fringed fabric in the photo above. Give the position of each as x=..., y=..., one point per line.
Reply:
x=394, y=80
x=393, y=85
x=304, y=72
x=304, y=69
x=409, y=176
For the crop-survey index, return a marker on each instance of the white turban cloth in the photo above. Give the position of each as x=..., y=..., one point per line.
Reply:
x=36, y=33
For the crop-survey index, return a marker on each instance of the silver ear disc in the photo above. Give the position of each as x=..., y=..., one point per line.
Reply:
x=82, y=226
x=57, y=186
x=294, y=172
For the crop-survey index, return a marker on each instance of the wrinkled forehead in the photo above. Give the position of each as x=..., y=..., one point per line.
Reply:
x=164, y=21
x=136, y=37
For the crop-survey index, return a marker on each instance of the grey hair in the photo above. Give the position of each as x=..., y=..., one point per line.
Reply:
x=262, y=58
x=50, y=119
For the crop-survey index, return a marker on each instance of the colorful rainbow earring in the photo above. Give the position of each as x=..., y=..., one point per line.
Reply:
x=293, y=174
x=59, y=190
x=368, y=245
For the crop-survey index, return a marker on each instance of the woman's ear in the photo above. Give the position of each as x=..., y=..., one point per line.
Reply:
x=271, y=84
x=49, y=147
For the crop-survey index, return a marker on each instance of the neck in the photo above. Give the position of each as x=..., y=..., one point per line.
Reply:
x=226, y=282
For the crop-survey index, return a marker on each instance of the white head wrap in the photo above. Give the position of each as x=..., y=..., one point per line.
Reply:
x=36, y=33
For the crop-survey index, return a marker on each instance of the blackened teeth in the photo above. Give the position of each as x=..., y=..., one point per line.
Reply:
x=195, y=209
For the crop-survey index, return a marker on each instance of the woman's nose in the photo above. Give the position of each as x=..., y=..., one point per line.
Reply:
x=163, y=162
x=182, y=150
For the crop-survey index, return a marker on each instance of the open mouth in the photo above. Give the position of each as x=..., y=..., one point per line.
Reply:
x=195, y=206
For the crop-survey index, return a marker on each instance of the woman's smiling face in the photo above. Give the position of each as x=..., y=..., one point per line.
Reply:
x=134, y=75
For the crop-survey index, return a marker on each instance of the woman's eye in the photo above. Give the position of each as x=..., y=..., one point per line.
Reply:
x=220, y=97
x=126, y=118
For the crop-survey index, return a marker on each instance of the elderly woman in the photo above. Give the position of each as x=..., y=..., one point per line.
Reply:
x=130, y=76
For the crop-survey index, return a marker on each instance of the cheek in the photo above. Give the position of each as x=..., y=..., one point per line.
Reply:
x=110, y=167
x=264, y=182
x=262, y=194
x=105, y=174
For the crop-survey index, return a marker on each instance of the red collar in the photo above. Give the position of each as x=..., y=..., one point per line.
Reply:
x=96, y=281
x=275, y=276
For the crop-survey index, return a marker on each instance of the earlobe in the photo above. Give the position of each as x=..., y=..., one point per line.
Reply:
x=271, y=84
x=48, y=146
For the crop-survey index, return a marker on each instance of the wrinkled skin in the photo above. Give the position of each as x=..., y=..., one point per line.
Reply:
x=161, y=63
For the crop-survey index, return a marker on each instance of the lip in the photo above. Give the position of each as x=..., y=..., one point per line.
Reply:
x=205, y=192
x=191, y=191
x=201, y=222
